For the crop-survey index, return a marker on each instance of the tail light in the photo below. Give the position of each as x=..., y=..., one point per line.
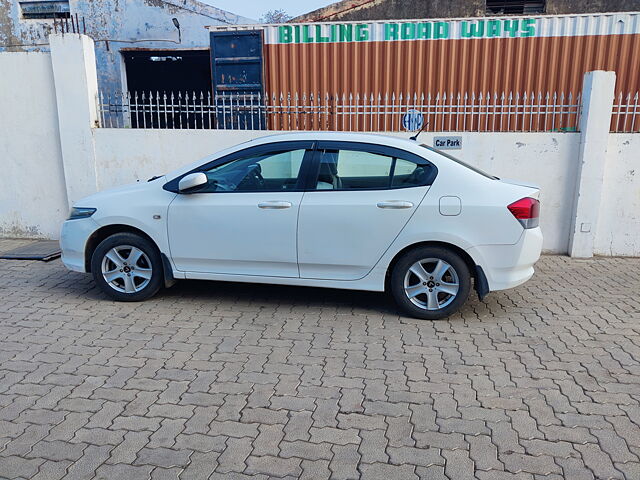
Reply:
x=527, y=212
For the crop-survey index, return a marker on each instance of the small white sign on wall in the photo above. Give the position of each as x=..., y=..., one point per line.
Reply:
x=447, y=143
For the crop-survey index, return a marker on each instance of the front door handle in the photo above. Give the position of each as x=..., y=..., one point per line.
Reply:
x=274, y=205
x=395, y=204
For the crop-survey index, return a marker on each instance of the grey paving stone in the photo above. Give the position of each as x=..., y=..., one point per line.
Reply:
x=201, y=466
x=163, y=457
x=268, y=440
x=381, y=471
x=345, y=461
x=537, y=382
x=305, y=450
x=274, y=466
x=233, y=457
x=424, y=457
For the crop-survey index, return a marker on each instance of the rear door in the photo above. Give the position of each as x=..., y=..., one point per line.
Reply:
x=359, y=198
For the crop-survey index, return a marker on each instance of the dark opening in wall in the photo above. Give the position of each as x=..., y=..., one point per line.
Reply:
x=168, y=77
x=514, y=7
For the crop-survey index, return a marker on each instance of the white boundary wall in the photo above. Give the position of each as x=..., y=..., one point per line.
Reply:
x=43, y=176
x=33, y=197
x=548, y=160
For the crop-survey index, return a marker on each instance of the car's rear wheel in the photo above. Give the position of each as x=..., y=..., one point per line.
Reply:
x=430, y=282
x=127, y=267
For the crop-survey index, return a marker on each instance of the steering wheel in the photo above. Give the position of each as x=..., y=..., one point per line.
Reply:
x=254, y=176
x=259, y=178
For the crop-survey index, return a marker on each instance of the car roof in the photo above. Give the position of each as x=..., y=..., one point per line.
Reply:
x=336, y=136
x=387, y=140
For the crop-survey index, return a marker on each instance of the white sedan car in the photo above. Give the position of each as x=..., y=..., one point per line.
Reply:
x=320, y=209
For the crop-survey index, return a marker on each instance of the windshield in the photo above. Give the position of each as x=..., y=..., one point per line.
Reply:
x=460, y=162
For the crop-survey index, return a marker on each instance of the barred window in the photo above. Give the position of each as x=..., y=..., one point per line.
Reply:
x=517, y=7
x=44, y=10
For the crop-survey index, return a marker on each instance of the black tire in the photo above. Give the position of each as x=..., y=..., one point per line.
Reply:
x=143, y=287
x=450, y=303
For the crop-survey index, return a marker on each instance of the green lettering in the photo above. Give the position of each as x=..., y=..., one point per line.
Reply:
x=346, y=32
x=391, y=31
x=408, y=31
x=441, y=30
x=473, y=29
x=306, y=37
x=296, y=34
x=334, y=37
x=285, y=32
x=493, y=28
x=511, y=26
x=528, y=27
x=319, y=37
x=362, y=32
x=423, y=31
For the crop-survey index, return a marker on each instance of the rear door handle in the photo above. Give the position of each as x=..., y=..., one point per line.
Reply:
x=397, y=204
x=274, y=205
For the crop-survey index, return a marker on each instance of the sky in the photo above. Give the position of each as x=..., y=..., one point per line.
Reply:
x=256, y=8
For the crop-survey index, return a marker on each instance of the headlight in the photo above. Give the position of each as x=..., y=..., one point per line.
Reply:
x=80, y=212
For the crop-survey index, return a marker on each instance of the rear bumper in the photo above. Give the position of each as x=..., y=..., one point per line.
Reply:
x=73, y=239
x=507, y=266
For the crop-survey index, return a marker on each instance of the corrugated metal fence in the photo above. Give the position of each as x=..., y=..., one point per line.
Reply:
x=545, y=53
x=483, y=112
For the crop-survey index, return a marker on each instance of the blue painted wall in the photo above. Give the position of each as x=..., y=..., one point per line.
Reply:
x=119, y=24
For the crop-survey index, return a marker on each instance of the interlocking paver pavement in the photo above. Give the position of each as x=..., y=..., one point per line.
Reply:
x=212, y=380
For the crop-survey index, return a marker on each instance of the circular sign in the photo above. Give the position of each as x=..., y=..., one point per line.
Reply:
x=412, y=120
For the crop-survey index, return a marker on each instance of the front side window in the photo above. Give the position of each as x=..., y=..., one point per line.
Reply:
x=275, y=171
x=345, y=169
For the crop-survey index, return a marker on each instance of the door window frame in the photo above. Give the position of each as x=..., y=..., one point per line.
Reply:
x=393, y=152
x=303, y=173
x=310, y=167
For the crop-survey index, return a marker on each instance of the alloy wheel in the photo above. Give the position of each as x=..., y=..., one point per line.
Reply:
x=431, y=284
x=126, y=269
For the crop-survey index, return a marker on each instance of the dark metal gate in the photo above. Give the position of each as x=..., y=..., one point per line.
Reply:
x=236, y=67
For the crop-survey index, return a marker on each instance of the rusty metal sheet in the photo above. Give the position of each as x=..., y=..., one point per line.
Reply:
x=492, y=54
x=548, y=64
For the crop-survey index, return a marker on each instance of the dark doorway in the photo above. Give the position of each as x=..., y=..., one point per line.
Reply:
x=168, y=88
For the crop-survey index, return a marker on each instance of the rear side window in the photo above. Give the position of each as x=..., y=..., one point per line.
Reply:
x=408, y=174
x=351, y=169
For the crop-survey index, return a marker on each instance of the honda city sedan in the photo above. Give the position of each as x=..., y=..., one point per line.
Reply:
x=317, y=209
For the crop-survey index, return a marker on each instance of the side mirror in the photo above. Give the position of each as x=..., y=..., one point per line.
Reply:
x=190, y=182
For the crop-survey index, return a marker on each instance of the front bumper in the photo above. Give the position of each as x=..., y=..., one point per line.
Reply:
x=507, y=266
x=73, y=240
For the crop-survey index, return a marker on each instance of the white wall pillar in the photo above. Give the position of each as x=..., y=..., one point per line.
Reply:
x=76, y=82
x=597, y=101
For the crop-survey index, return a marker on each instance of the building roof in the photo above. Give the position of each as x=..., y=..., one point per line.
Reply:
x=330, y=12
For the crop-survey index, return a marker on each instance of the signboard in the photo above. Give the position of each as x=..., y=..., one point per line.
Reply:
x=444, y=29
x=412, y=120
x=394, y=31
x=447, y=143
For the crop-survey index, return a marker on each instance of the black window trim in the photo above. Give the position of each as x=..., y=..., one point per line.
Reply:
x=307, y=145
x=392, y=152
x=308, y=175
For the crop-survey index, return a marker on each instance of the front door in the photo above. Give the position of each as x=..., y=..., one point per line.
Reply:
x=244, y=221
x=362, y=198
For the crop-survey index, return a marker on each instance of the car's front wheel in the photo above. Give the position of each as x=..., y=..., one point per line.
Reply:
x=127, y=267
x=430, y=282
